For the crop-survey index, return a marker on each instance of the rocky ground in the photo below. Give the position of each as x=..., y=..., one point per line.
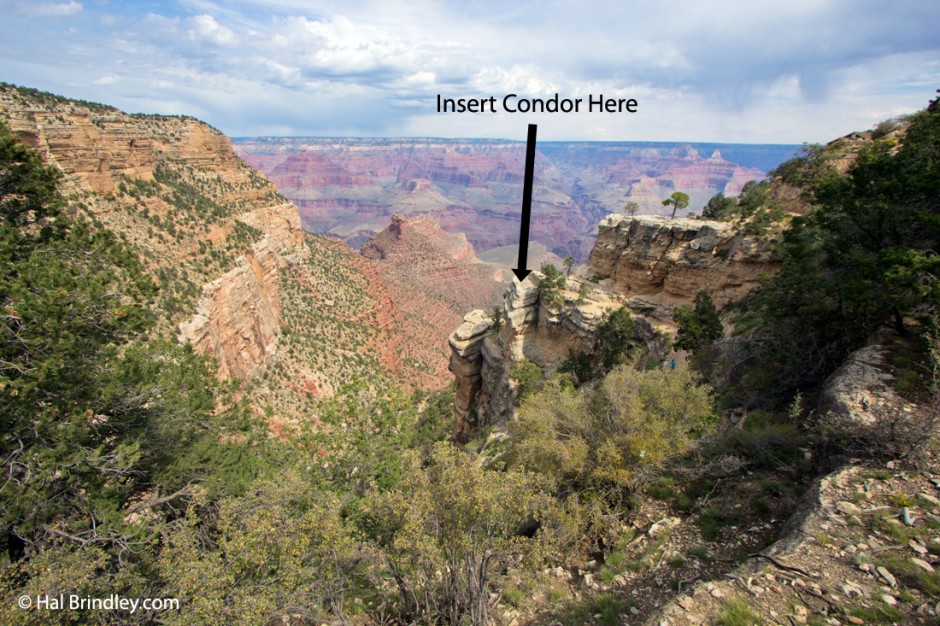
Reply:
x=867, y=552
x=766, y=542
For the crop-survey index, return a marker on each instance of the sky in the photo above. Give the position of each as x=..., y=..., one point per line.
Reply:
x=743, y=71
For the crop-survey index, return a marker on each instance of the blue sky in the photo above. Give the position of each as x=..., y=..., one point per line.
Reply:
x=728, y=70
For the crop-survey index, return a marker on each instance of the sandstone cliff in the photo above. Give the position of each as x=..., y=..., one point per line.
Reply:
x=649, y=264
x=213, y=231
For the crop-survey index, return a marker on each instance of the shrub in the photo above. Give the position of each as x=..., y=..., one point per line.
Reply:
x=578, y=364
x=450, y=529
x=615, y=337
x=699, y=327
x=612, y=440
x=529, y=378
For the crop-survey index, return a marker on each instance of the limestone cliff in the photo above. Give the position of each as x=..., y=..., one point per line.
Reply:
x=649, y=264
x=658, y=263
x=204, y=222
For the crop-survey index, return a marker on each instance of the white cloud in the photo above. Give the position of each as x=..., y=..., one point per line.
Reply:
x=726, y=70
x=205, y=28
x=528, y=80
x=421, y=79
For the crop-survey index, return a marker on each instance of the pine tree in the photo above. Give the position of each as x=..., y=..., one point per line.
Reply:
x=699, y=327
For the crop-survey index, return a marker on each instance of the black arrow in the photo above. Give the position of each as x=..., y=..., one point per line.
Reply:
x=520, y=270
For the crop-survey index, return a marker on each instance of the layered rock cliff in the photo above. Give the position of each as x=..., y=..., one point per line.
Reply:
x=648, y=264
x=658, y=263
x=483, y=352
x=213, y=232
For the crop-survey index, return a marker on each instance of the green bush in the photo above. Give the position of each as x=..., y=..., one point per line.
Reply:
x=699, y=327
x=615, y=337
x=611, y=440
x=529, y=378
x=855, y=262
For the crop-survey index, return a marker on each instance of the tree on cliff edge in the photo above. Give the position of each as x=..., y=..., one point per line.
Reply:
x=678, y=200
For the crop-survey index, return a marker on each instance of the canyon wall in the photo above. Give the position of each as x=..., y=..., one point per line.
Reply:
x=213, y=232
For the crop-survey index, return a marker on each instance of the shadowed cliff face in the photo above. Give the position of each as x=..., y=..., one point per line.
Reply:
x=351, y=187
x=648, y=264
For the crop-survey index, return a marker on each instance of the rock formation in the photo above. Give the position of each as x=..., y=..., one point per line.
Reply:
x=658, y=263
x=443, y=265
x=174, y=188
x=238, y=318
x=648, y=264
x=482, y=358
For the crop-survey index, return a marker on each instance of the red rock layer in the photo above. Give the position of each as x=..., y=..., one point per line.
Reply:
x=351, y=187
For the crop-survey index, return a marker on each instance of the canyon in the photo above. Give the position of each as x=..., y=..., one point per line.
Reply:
x=350, y=187
x=296, y=316
x=334, y=372
x=212, y=232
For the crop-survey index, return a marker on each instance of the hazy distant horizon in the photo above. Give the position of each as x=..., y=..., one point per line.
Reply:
x=764, y=156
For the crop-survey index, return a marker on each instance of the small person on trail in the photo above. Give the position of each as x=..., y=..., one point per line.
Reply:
x=672, y=364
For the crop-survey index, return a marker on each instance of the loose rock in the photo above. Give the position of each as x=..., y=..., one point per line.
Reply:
x=924, y=565
x=887, y=576
x=929, y=499
x=847, y=508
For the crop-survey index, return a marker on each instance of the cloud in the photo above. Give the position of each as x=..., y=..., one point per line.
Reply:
x=42, y=9
x=723, y=70
x=205, y=28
